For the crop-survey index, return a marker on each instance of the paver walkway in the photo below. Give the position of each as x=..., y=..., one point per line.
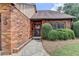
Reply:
x=33, y=48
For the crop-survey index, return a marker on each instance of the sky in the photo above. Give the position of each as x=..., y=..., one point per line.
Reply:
x=48, y=6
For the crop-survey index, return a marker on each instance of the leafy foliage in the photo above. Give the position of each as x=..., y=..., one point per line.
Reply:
x=76, y=28
x=58, y=34
x=61, y=34
x=68, y=34
x=71, y=9
x=45, y=30
x=52, y=35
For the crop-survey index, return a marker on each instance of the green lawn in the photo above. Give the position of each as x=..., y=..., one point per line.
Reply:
x=68, y=50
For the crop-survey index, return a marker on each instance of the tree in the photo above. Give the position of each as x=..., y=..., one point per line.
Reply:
x=60, y=9
x=72, y=9
x=76, y=28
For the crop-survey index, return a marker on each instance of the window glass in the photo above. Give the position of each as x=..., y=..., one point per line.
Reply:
x=58, y=25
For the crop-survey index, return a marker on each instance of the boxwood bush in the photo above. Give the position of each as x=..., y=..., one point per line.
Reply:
x=45, y=30
x=66, y=34
x=71, y=34
x=76, y=28
x=52, y=35
x=61, y=34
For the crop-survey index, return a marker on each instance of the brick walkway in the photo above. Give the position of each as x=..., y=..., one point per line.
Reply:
x=33, y=48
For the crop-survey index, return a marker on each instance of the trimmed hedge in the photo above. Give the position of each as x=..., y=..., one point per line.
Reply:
x=61, y=34
x=66, y=33
x=45, y=30
x=76, y=28
x=71, y=34
x=52, y=35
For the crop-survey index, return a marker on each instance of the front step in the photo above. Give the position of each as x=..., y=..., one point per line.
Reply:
x=36, y=38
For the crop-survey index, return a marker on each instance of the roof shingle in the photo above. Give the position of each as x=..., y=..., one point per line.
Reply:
x=48, y=14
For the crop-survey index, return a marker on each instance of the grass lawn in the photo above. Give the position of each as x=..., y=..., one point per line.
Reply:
x=68, y=50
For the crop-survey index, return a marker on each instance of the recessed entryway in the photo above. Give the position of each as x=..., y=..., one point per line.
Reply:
x=37, y=29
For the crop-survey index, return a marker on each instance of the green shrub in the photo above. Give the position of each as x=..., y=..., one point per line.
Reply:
x=61, y=34
x=52, y=35
x=45, y=30
x=76, y=28
x=71, y=34
x=66, y=34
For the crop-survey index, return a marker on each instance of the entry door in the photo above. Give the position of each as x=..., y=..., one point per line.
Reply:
x=37, y=29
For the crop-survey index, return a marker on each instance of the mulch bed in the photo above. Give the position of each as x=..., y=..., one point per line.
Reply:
x=51, y=46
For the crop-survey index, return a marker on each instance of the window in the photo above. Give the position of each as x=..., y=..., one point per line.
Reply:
x=58, y=25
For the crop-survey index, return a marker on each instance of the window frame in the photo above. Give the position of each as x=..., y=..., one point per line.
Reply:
x=58, y=24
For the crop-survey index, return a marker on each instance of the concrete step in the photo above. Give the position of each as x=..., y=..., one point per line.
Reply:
x=37, y=38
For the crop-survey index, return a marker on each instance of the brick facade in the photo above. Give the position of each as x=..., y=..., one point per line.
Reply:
x=15, y=29
x=20, y=28
x=6, y=32
x=66, y=21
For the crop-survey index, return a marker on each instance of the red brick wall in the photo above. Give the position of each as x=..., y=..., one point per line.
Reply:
x=6, y=32
x=66, y=21
x=15, y=29
x=20, y=28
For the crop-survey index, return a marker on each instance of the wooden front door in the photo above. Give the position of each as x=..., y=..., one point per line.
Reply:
x=37, y=29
